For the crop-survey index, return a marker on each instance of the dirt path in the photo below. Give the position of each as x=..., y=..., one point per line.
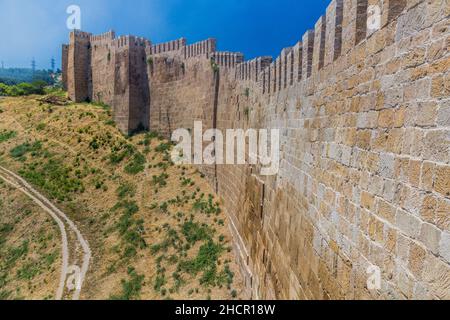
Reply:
x=72, y=274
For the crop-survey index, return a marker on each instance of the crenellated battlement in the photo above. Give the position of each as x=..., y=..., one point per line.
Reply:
x=205, y=47
x=250, y=70
x=169, y=46
x=341, y=29
x=227, y=59
x=80, y=35
x=130, y=41
x=107, y=36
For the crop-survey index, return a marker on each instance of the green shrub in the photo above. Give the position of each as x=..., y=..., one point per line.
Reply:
x=131, y=289
x=247, y=112
x=206, y=260
x=149, y=138
x=21, y=150
x=102, y=105
x=4, y=295
x=15, y=254
x=136, y=165
x=160, y=281
x=5, y=230
x=3, y=89
x=160, y=180
x=23, y=89
x=28, y=272
x=206, y=206
x=54, y=178
x=163, y=147
x=130, y=229
x=214, y=66
x=126, y=189
x=195, y=232
x=118, y=154
x=6, y=135
x=55, y=91
x=94, y=144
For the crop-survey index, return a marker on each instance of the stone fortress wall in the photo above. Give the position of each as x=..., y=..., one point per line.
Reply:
x=365, y=143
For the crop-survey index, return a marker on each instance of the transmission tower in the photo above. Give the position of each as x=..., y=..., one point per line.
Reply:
x=33, y=65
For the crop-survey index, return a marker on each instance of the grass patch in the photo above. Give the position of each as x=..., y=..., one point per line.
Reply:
x=21, y=150
x=171, y=240
x=126, y=190
x=54, y=178
x=28, y=271
x=15, y=254
x=160, y=180
x=131, y=288
x=40, y=126
x=206, y=263
x=136, y=165
x=206, y=259
x=163, y=147
x=195, y=232
x=23, y=89
x=6, y=135
x=118, y=154
x=206, y=206
x=130, y=229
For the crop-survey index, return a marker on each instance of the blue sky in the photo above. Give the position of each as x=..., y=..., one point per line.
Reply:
x=30, y=28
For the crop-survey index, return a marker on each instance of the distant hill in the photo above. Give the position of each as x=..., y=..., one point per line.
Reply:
x=13, y=76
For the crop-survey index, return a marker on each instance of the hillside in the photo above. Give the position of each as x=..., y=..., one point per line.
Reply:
x=155, y=229
x=29, y=247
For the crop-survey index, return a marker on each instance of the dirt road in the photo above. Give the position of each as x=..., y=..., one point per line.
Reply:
x=72, y=275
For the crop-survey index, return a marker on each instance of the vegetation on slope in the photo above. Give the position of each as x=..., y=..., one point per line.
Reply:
x=23, y=89
x=12, y=76
x=29, y=248
x=156, y=230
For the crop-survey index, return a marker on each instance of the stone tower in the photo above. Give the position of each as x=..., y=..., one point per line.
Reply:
x=110, y=70
x=78, y=66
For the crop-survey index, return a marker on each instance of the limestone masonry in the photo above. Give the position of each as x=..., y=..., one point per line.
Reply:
x=365, y=147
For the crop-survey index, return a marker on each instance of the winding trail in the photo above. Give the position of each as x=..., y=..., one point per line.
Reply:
x=75, y=274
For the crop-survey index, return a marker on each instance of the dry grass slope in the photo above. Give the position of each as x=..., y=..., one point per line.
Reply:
x=156, y=229
x=29, y=247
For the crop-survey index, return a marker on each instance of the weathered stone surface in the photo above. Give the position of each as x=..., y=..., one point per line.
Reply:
x=443, y=118
x=408, y=224
x=444, y=249
x=442, y=180
x=442, y=214
x=430, y=236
